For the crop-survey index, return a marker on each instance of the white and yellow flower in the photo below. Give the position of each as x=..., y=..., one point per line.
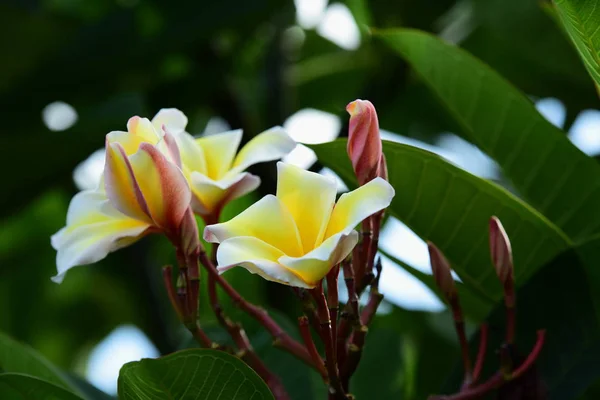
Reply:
x=297, y=236
x=215, y=172
x=143, y=190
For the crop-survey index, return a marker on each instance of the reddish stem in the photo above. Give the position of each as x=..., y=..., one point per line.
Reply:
x=498, y=378
x=333, y=302
x=282, y=339
x=459, y=326
x=312, y=349
x=173, y=297
x=480, y=353
x=336, y=390
x=530, y=360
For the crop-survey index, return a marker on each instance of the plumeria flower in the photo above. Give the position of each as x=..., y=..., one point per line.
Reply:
x=210, y=163
x=297, y=236
x=143, y=190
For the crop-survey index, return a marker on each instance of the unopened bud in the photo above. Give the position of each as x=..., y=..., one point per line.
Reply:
x=441, y=272
x=500, y=250
x=364, y=142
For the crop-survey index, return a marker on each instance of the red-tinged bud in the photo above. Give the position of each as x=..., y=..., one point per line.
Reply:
x=441, y=272
x=364, y=142
x=500, y=250
x=188, y=235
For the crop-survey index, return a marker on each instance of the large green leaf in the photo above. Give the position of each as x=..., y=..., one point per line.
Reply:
x=19, y=358
x=581, y=18
x=26, y=387
x=191, y=374
x=555, y=176
x=447, y=205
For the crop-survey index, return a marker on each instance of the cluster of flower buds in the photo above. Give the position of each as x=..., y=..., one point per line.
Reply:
x=501, y=254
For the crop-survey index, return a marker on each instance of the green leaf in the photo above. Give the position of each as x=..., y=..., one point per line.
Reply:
x=450, y=207
x=25, y=387
x=545, y=167
x=581, y=19
x=18, y=358
x=197, y=373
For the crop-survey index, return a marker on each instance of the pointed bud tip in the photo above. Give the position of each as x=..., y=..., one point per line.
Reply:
x=359, y=106
x=500, y=250
x=441, y=271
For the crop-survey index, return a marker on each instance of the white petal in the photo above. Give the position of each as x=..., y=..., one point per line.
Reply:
x=172, y=118
x=257, y=257
x=94, y=229
x=270, y=145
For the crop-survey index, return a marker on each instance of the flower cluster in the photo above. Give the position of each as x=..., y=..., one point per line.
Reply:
x=157, y=177
x=156, y=174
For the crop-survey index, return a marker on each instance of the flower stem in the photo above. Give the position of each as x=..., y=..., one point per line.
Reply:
x=336, y=390
x=281, y=338
x=480, y=353
x=303, y=324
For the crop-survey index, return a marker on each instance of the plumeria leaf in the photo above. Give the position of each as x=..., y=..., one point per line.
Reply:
x=450, y=207
x=582, y=20
x=197, y=373
x=544, y=166
x=26, y=387
x=21, y=359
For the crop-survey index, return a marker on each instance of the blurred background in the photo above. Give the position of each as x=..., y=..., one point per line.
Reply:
x=73, y=70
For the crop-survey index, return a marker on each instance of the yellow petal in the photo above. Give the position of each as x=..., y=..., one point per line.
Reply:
x=192, y=155
x=173, y=119
x=313, y=267
x=121, y=186
x=257, y=257
x=211, y=196
x=163, y=186
x=267, y=220
x=219, y=151
x=270, y=145
x=310, y=198
x=357, y=205
x=139, y=130
x=94, y=229
x=143, y=128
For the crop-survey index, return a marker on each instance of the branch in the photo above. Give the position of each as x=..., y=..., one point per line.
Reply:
x=281, y=338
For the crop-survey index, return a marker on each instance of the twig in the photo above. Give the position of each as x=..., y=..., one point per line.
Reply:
x=281, y=338
x=499, y=378
x=312, y=349
x=336, y=390
x=480, y=353
x=535, y=352
x=354, y=355
x=333, y=302
x=459, y=326
x=350, y=316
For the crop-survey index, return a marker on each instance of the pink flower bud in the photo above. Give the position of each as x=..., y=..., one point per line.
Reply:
x=441, y=272
x=364, y=142
x=383, y=170
x=500, y=250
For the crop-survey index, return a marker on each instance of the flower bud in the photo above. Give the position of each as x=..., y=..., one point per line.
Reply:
x=364, y=142
x=383, y=170
x=500, y=250
x=441, y=272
